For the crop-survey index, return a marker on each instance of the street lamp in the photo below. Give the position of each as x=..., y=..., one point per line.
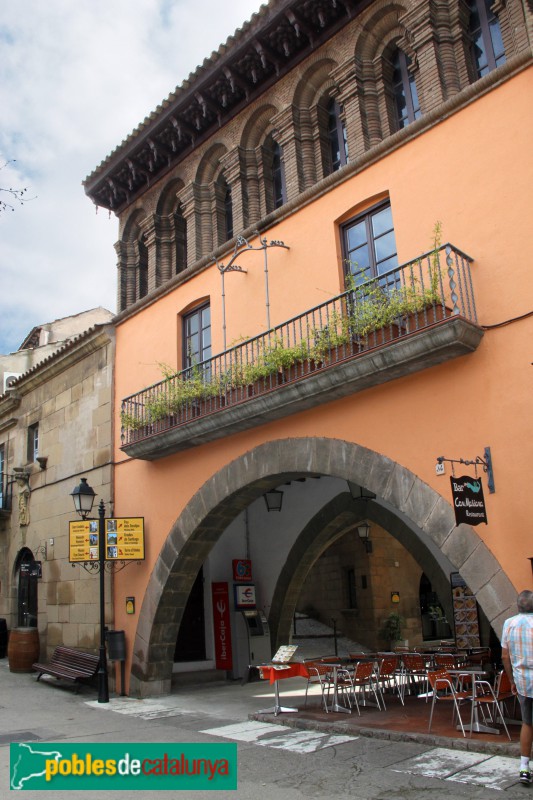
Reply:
x=363, y=529
x=83, y=497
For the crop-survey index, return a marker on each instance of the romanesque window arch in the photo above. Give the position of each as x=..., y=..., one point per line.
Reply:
x=273, y=174
x=171, y=233
x=337, y=138
x=133, y=261
x=404, y=91
x=485, y=36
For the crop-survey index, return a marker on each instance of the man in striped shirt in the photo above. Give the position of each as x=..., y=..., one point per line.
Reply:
x=517, y=658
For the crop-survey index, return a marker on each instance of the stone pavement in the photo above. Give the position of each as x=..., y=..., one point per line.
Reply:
x=32, y=711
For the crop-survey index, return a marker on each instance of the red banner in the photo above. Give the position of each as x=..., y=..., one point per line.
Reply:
x=221, y=624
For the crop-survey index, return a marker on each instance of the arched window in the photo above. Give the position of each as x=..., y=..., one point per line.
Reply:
x=27, y=589
x=278, y=177
x=337, y=137
x=485, y=37
x=228, y=213
x=404, y=90
x=180, y=240
x=142, y=268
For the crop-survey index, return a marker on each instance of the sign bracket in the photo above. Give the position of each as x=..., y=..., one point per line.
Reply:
x=485, y=462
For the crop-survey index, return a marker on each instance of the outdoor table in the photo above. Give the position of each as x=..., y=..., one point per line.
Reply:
x=475, y=725
x=276, y=672
x=335, y=705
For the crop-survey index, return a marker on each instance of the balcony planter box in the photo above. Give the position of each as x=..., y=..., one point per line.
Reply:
x=426, y=316
x=378, y=337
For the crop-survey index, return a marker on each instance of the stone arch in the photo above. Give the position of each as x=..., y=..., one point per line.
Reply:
x=209, y=166
x=249, y=476
x=170, y=232
x=133, y=260
x=314, y=82
x=314, y=91
x=381, y=30
x=258, y=126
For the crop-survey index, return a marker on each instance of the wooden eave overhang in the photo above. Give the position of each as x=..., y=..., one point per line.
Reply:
x=267, y=47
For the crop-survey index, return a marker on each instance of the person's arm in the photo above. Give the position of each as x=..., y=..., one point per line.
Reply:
x=506, y=661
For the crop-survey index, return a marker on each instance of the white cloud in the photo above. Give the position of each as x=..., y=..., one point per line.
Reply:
x=76, y=77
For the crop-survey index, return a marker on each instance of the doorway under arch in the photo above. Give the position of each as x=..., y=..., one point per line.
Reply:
x=423, y=521
x=26, y=574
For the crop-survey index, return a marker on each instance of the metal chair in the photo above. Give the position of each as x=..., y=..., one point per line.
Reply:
x=387, y=677
x=363, y=679
x=414, y=672
x=319, y=675
x=445, y=692
x=491, y=700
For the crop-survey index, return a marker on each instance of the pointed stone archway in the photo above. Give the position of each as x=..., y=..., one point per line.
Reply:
x=242, y=481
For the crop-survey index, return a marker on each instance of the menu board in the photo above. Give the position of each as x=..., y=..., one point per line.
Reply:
x=124, y=539
x=285, y=653
x=465, y=614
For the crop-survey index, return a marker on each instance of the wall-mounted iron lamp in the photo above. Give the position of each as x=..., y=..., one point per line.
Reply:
x=363, y=529
x=273, y=500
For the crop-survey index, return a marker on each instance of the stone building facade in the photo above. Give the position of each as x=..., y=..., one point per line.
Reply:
x=55, y=426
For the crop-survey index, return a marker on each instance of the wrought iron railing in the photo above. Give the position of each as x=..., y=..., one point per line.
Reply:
x=435, y=286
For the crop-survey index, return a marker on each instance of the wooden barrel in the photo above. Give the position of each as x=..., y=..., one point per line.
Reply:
x=23, y=649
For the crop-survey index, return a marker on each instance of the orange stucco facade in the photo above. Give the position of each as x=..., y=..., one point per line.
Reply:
x=384, y=131
x=472, y=171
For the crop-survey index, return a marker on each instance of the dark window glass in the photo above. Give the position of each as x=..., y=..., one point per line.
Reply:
x=228, y=213
x=337, y=137
x=143, y=270
x=486, y=37
x=197, y=336
x=180, y=228
x=278, y=177
x=352, y=592
x=33, y=442
x=404, y=90
x=370, y=245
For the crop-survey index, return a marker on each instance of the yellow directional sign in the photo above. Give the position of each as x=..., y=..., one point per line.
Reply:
x=124, y=539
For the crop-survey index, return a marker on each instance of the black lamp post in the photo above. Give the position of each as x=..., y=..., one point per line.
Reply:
x=83, y=497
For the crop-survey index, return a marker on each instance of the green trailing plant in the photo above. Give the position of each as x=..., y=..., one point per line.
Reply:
x=392, y=627
x=369, y=306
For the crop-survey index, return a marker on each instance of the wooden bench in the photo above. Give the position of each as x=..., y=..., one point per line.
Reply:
x=69, y=664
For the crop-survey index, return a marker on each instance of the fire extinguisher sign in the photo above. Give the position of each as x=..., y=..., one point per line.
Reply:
x=222, y=627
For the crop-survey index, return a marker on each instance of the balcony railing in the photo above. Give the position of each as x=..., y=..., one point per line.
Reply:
x=426, y=292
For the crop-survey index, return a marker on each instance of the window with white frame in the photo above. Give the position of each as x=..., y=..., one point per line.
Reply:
x=33, y=442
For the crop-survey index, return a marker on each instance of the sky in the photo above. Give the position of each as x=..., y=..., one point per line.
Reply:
x=76, y=77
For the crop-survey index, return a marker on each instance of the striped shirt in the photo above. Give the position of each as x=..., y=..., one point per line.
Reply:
x=517, y=638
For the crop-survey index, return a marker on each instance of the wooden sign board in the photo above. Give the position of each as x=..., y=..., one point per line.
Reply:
x=124, y=539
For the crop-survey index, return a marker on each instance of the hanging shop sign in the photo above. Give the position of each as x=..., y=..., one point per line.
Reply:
x=242, y=569
x=124, y=539
x=221, y=625
x=468, y=500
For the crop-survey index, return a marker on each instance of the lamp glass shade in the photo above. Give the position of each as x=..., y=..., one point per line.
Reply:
x=363, y=530
x=274, y=500
x=83, y=497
